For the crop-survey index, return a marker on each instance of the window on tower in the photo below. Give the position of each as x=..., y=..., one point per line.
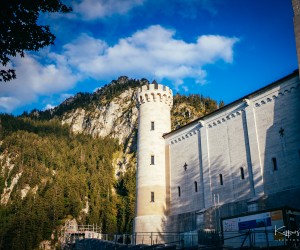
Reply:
x=152, y=159
x=179, y=192
x=152, y=196
x=196, y=186
x=152, y=125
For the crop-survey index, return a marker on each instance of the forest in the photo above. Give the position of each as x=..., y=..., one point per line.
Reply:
x=64, y=174
x=48, y=174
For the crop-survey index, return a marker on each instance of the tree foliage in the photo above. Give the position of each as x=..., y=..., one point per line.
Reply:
x=187, y=108
x=66, y=175
x=20, y=31
x=69, y=175
x=88, y=101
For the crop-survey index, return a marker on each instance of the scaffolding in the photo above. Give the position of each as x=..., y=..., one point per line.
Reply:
x=72, y=232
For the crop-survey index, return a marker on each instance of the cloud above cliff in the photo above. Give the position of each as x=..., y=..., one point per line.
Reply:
x=152, y=52
x=36, y=79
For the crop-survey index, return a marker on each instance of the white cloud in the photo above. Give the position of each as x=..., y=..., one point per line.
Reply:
x=65, y=96
x=8, y=103
x=35, y=79
x=152, y=52
x=49, y=106
x=94, y=9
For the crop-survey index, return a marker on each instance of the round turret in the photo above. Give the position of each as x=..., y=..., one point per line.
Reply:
x=155, y=102
x=155, y=93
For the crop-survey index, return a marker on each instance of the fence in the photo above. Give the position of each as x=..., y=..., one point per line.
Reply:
x=209, y=237
x=235, y=239
x=151, y=238
x=261, y=238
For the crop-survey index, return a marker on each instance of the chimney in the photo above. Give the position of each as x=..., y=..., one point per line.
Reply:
x=296, y=8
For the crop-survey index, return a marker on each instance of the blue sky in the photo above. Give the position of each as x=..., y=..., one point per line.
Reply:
x=224, y=49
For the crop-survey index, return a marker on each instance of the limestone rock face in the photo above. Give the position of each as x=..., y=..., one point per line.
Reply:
x=117, y=118
x=75, y=119
x=6, y=165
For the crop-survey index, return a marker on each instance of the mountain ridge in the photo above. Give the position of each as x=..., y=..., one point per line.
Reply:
x=76, y=161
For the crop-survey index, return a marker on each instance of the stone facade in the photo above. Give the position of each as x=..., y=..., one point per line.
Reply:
x=247, y=152
x=154, y=102
x=242, y=158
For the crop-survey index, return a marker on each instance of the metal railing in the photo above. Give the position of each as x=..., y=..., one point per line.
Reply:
x=263, y=238
x=152, y=240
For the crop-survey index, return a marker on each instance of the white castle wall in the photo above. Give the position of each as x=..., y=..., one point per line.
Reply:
x=155, y=102
x=244, y=135
x=185, y=150
x=279, y=136
x=249, y=134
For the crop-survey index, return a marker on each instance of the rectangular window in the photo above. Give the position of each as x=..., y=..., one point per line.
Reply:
x=242, y=173
x=221, y=179
x=179, y=193
x=152, y=196
x=152, y=159
x=196, y=186
x=274, y=161
x=152, y=125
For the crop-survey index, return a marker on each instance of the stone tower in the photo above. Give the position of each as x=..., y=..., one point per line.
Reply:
x=155, y=102
x=296, y=8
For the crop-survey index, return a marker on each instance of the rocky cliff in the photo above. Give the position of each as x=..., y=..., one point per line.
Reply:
x=117, y=118
x=76, y=161
x=112, y=110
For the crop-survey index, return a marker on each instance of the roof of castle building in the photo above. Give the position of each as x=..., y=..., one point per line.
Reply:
x=271, y=85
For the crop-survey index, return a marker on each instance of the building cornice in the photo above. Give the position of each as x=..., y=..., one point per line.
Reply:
x=245, y=99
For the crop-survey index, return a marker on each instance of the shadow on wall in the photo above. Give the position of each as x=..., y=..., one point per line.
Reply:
x=281, y=172
x=278, y=129
x=279, y=141
x=185, y=185
x=229, y=175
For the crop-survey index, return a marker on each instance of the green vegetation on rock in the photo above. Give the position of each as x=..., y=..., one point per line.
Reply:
x=188, y=108
x=49, y=174
x=64, y=175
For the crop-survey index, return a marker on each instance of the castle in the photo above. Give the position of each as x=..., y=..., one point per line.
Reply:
x=244, y=157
